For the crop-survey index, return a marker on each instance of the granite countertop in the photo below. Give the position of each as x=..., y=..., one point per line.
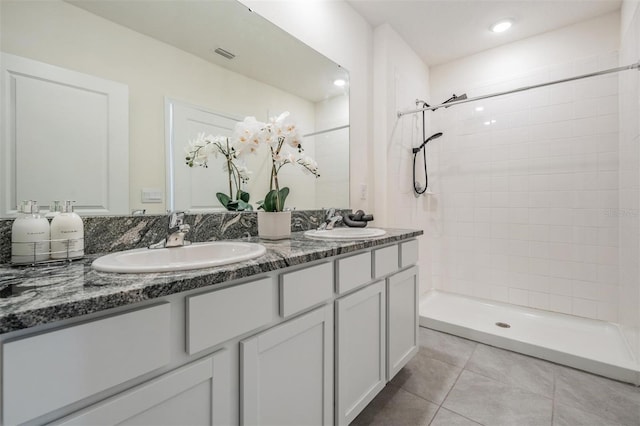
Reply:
x=31, y=296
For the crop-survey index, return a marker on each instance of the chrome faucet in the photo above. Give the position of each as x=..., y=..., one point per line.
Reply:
x=331, y=219
x=176, y=232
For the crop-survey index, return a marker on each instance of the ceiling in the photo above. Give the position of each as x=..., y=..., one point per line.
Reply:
x=440, y=31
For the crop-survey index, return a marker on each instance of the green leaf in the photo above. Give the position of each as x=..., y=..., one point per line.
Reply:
x=284, y=192
x=233, y=206
x=274, y=201
x=270, y=201
x=242, y=195
x=223, y=198
x=242, y=205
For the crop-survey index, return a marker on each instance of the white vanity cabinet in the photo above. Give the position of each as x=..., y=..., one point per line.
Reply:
x=196, y=394
x=311, y=344
x=376, y=326
x=287, y=372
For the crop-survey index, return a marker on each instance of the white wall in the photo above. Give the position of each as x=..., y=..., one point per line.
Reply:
x=334, y=29
x=527, y=203
x=399, y=78
x=60, y=34
x=629, y=212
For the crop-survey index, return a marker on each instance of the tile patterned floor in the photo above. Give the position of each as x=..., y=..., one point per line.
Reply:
x=454, y=381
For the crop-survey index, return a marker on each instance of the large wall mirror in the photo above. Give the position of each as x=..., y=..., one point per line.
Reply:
x=161, y=55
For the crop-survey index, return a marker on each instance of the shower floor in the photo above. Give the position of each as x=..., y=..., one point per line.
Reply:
x=594, y=346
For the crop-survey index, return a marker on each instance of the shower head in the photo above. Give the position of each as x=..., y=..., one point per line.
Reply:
x=429, y=139
x=432, y=137
x=455, y=98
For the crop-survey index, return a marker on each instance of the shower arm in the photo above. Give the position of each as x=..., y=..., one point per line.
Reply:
x=635, y=66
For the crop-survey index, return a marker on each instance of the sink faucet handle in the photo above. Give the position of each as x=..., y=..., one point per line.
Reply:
x=176, y=219
x=330, y=213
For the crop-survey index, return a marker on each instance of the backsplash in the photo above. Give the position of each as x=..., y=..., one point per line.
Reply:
x=105, y=234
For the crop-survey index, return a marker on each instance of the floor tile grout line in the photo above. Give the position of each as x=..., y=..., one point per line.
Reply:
x=414, y=394
x=552, y=365
x=453, y=386
x=457, y=337
x=556, y=370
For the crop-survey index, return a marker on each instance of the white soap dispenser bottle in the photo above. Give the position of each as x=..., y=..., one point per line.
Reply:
x=30, y=235
x=67, y=234
x=54, y=210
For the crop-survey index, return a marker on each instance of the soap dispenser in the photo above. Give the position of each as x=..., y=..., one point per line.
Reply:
x=30, y=234
x=67, y=234
x=54, y=209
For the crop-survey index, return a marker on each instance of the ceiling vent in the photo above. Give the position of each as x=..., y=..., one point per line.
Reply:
x=220, y=51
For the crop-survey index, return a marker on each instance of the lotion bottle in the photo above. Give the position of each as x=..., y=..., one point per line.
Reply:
x=30, y=235
x=67, y=234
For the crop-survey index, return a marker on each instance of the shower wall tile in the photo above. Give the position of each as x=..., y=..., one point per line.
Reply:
x=560, y=304
x=531, y=193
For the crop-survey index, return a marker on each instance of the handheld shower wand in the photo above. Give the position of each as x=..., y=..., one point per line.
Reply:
x=416, y=186
x=432, y=137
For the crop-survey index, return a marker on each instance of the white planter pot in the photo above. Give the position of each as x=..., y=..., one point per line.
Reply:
x=274, y=225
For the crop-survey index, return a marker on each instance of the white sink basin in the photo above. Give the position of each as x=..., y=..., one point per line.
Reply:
x=345, y=233
x=194, y=256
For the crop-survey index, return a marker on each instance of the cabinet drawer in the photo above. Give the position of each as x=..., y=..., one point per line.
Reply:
x=408, y=253
x=51, y=370
x=215, y=317
x=305, y=288
x=385, y=261
x=195, y=394
x=353, y=271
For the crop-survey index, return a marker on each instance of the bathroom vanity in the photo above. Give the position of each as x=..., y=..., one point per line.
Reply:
x=309, y=333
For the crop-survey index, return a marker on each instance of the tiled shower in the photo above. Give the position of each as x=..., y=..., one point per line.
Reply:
x=529, y=186
x=538, y=191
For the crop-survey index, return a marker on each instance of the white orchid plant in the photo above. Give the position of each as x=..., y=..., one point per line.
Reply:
x=282, y=139
x=281, y=136
x=198, y=153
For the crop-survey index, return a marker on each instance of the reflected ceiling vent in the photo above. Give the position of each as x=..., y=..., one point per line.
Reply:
x=220, y=51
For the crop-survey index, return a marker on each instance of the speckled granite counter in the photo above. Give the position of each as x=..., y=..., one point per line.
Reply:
x=34, y=296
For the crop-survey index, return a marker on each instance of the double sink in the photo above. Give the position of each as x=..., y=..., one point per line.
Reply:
x=210, y=254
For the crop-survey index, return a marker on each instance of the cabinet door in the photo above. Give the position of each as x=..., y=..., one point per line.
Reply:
x=196, y=394
x=287, y=372
x=402, y=319
x=360, y=365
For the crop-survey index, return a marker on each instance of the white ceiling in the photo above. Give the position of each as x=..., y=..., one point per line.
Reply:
x=440, y=31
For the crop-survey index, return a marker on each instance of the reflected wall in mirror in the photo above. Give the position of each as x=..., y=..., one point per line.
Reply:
x=163, y=51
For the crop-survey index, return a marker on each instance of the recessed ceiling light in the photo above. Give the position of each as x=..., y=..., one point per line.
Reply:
x=340, y=82
x=480, y=108
x=501, y=26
